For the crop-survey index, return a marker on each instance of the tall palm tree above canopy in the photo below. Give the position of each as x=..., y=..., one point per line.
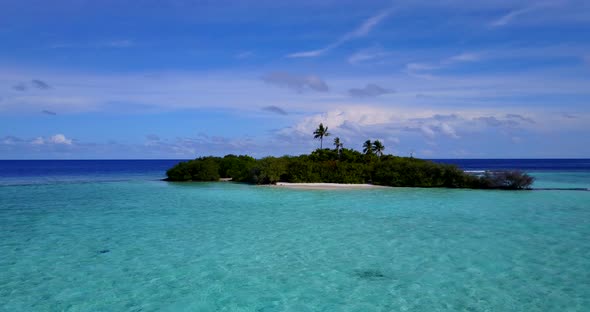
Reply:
x=338, y=144
x=320, y=133
x=368, y=147
x=378, y=147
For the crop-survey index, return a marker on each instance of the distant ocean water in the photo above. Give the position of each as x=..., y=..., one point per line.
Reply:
x=56, y=171
x=520, y=164
x=110, y=236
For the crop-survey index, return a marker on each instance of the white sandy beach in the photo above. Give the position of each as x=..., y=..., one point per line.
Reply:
x=326, y=186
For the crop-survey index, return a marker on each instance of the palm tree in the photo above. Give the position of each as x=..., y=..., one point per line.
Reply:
x=368, y=147
x=378, y=148
x=320, y=133
x=338, y=144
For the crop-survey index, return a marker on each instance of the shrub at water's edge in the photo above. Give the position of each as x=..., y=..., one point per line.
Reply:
x=509, y=180
x=343, y=166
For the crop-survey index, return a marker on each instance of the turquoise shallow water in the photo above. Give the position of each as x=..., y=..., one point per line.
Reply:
x=145, y=245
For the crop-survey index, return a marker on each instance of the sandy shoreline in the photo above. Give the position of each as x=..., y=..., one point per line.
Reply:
x=326, y=186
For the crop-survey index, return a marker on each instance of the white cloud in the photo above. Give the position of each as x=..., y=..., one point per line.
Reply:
x=403, y=129
x=38, y=141
x=59, y=139
x=358, y=123
x=464, y=57
x=363, y=30
x=10, y=140
x=427, y=131
x=448, y=130
x=59, y=147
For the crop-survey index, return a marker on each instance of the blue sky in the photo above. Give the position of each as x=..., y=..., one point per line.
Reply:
x=180, y=79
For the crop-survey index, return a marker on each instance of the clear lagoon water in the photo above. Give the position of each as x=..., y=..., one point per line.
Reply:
x=109, y=236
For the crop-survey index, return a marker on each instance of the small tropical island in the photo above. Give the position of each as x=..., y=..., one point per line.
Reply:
x=344, y=166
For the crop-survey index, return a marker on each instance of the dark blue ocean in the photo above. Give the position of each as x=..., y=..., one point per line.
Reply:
x=520, y=164
x=15, y=168
x=63, y=171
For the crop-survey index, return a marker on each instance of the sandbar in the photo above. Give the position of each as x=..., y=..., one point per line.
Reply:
x=326, y=186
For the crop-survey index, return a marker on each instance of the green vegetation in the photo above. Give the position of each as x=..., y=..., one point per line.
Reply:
x=342, y=165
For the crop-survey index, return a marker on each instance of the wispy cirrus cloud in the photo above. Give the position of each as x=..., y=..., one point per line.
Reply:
x=510, y=16
x=463, y=57
x=361, y=31
x=313, y=53
x=367, y=55
x=514, y=14
x=418, y=69
x=117, y=43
